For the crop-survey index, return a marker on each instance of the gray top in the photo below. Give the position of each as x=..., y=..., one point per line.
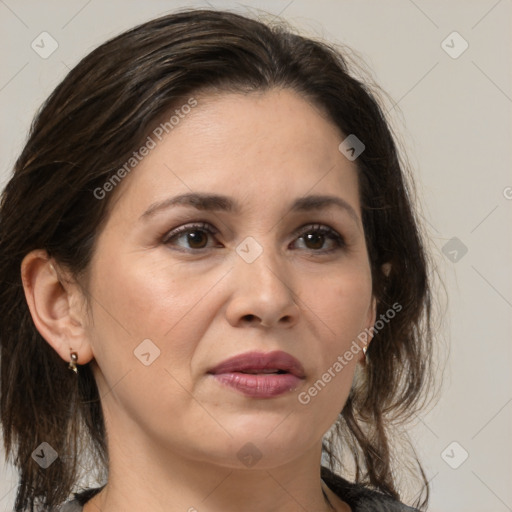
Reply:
x=71, y=506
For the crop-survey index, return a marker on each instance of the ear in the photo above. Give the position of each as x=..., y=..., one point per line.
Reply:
x=386, y=268
x=54, y=304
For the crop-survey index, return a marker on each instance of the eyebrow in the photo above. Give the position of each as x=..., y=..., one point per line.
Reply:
x=216, y=202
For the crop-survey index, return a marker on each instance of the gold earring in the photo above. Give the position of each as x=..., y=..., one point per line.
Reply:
x=74, y=360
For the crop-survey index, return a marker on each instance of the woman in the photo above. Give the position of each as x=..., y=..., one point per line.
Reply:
x=213, y=281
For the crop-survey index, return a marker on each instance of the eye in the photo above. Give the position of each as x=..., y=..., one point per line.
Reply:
x=315, y=236
x=194, y=234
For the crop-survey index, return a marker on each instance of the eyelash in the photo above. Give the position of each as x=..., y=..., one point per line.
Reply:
x=310, y=228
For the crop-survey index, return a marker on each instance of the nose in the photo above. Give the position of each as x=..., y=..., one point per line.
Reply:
x=263, y=293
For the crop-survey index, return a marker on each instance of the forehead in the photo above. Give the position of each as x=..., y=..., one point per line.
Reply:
x=267, y=144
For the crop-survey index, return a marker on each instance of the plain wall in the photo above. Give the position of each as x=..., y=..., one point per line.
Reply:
x=453, y=116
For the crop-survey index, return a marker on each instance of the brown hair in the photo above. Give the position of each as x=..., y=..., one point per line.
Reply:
x=87, y=129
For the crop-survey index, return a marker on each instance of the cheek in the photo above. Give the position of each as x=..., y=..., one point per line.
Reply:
x=342, y=301
x=341, y=309
x=137, y=302
x=170, y=304
x=148, y=299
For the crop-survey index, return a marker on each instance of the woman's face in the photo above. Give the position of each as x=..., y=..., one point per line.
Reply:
x=261, y=276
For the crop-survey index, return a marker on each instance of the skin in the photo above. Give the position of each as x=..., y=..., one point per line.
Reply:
x=174, y=431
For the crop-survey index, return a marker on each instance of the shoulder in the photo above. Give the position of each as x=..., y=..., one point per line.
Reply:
x=361, y=498
x=71, y=506
x=76, y=504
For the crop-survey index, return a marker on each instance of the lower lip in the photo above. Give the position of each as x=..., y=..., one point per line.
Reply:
x=259, y=385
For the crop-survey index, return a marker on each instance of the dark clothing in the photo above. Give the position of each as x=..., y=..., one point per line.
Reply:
x=358, y=497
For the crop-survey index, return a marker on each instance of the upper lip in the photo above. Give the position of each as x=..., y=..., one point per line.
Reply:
x=278, y=360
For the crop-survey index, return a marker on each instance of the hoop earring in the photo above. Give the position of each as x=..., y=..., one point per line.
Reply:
x=74, y=360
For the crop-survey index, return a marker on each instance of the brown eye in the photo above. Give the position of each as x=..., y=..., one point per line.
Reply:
x=315, y=240
x=197, y=238
x=315, y=237
x=194, y=235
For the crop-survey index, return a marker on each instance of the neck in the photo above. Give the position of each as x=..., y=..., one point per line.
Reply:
x=145, y=477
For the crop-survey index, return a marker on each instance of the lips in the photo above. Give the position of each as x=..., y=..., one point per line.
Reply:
x=258, y=362
x=260, y=375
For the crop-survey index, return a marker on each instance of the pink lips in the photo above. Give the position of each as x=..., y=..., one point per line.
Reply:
x=260, y=375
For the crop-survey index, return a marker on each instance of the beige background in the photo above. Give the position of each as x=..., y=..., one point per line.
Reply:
x=454, y=117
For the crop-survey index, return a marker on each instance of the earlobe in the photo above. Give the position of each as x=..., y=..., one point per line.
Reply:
x=386, y=268
x=52, y=306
